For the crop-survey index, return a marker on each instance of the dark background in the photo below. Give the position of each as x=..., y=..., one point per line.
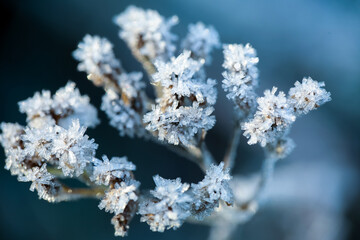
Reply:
x=315, y=189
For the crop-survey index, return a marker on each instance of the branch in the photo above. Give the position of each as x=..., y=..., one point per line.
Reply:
x=229, y=158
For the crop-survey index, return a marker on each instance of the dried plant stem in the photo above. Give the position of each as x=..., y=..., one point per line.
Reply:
x=78, y=193
x=230, y=156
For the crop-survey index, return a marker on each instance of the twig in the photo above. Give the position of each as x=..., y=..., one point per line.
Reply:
x=229, y=158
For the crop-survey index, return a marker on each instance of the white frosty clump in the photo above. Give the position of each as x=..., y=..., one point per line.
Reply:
x=131, y=84
x=201, y=40
x=213, y=188
x=66, y=105
x=241, y=77
x=308, y=95
x=187, y=102
x=10, y=137
x=96, y=56
x=122, y=116
x=42, y=181
x=107, y=170
x=147, y=31
x=116, y=200
x=275, y=115
x=170, y=206
x=70, y=149
x=272, y=119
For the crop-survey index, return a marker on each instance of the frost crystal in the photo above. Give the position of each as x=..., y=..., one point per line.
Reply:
x=272, y=119
x=110, y=170
x=42, y=181
x=241, y=77
x=147, y=32
x=11, y=135
x=66, y=105
x=121, y=116
x=281, y=148
x=69, y=148
x=131, y=84
x=208, y=192
x=307, y=96
x=170, y=207
x=201, y=40
x=116, y=200
x=96, y=56
x=187, y=102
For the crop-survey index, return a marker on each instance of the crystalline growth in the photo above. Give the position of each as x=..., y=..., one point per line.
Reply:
x=169, y=207
x=111, y=170
x=201, y=40
x=213, y=188
x=272, y=119
x=66, y=105
x=186, y=107
x=307, y=95
x=147, y=32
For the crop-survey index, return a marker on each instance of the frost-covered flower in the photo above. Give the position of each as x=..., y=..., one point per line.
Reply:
x=42, y=181
x=242, y=60
x=272, y=119
x=66, y=105
x=118, y=168
x=186, y=105
x=122, y=117
x=201, y=40
x=241, y=77
x=213, y=188
x=11, y=135
x=307, y=95
x=69, y=149
x=147, y=32
x=170, y=206
x=96, y=56
x=116, y=200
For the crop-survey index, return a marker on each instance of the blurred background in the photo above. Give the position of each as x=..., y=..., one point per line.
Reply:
x=315, y=193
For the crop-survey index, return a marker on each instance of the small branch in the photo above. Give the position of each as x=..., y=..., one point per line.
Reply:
x=68, y=194
x=230, y=156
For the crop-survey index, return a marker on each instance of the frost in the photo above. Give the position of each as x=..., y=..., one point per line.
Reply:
x=272, y=119
x=281, y=148
x=65, y=106
x=96, y=56
x=308, y=95
x=131, y=84
x=241, y=77
x=121, y=116
x=42, y=181
x=116, y=200
x=201, y=40
x=208, y=192
x=110, y=170
x=187, y=102
x=169, y=208
x=11, y=135
x=147, y=31
x=69, y=148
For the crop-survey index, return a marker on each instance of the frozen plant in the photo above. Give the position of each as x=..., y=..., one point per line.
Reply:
x=54, y=145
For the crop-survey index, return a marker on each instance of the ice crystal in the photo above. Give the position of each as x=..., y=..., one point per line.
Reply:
x=131, y=84
x=272, y=119
x=116, y=200
x=11, y=135
x=170, y=206
x=208, y=192
x=96, y=56
x=186, y=105
x=121, y=116
x=110, y=170
x=42, y=181
x=147, y=31
x=70, y=149
x=66, y=105
x=307, y=95
x=242, y=60
x=201, y=40
x=241, y=77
